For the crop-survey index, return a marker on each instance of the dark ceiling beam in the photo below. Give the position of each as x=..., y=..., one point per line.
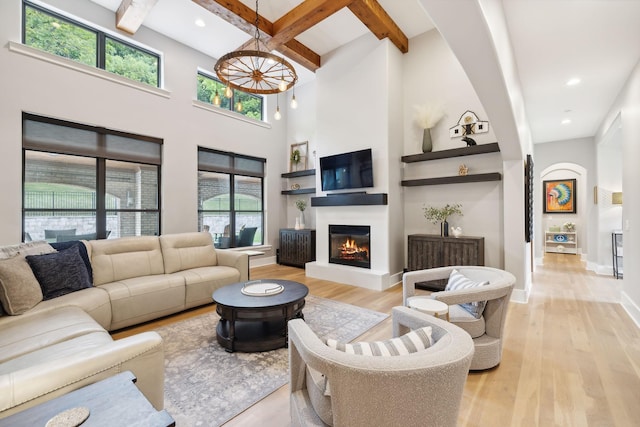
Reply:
x=379, y=22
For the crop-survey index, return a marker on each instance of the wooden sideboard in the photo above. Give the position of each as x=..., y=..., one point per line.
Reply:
x=297, y=247
x=430, y=251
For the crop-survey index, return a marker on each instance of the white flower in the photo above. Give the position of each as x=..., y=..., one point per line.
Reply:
x=427, y=116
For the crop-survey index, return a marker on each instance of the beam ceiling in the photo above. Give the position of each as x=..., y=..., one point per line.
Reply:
x=280, y=35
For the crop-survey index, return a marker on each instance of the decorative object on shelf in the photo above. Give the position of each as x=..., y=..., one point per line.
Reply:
x=456, y=231
x=426, y=117
x=560, y=238
x=441, y=215
x=468, y=124
x=256, y=71
x=554, y=228
x=301, y=205
x=463, y=170
x=295, y=186
x=298, y=156
x=469, y=141
x=569, y=226
x=560, y=196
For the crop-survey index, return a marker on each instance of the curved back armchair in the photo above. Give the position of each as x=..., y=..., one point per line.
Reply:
x=331, y=387
x=487, y=330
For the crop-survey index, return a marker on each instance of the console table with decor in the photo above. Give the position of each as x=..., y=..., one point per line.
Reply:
x=431, y=251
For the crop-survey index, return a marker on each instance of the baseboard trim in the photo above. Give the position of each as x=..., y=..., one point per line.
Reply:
x=631, y=308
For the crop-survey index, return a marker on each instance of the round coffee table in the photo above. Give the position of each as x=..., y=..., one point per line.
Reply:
x=257, y=323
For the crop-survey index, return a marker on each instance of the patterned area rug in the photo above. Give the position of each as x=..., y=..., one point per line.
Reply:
x=206, y=386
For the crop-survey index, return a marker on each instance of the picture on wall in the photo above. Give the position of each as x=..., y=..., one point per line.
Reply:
x=560, y=196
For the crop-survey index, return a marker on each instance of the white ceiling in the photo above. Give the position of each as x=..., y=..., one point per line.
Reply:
x=597, y=41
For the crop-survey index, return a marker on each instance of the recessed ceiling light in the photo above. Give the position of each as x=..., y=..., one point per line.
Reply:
x=200, y=23
x=572, y=82
x=566, y=121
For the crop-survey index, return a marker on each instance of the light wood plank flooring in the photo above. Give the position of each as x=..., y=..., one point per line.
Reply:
x=571, y=355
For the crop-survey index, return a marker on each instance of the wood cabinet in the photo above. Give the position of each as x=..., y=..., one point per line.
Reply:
x=561, y=242
x=430, y=251
x=297, y=247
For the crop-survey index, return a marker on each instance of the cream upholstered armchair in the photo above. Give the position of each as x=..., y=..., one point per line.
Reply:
x=424, y=388
x=487, y=327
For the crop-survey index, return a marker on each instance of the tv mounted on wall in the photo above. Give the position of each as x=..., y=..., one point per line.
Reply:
x=347, y=170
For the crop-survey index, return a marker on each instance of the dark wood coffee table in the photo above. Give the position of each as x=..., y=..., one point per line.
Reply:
x=257, y=323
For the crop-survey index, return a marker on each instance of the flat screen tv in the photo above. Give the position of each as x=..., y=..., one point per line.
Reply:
x=347, y=170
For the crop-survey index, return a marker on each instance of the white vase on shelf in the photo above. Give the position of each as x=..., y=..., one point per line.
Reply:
x=297, y=226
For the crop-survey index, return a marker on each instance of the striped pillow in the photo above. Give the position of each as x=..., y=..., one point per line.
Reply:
x=456, y=282
x=412, y=342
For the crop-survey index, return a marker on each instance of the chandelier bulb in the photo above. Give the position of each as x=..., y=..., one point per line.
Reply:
x=216, y=99
x=277, y=115
x=239, y=107
x=282, y=86
x=227, y=92
x=294, y=103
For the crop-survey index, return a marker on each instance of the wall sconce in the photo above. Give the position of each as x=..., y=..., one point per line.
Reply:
x=616, y=198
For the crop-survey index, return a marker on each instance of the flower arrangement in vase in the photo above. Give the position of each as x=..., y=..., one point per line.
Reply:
x=441, y=215
x=569, y=226
x=301, y=205
x=426, y=117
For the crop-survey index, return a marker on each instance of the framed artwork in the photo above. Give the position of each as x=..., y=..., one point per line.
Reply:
x=298, y=156
x=560, y=196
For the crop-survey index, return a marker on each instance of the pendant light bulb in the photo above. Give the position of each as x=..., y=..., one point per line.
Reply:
x=239, y=107
x=216, y=99
x=227, y=92
x=282, y=86
x=277, y=115
x=294, y=103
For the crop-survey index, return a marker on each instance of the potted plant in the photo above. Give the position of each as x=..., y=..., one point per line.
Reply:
x=301, y=205
x=426, y=117
x=435, y=215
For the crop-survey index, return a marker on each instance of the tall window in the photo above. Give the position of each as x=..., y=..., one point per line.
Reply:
x=230, y=194
x=251, y=105
x=62, y=36
x=83, y=182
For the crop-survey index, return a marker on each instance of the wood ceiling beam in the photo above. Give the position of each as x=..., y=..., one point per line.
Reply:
x=239, y=15
x=304, y=16
x=131, y=14
x=379, y=22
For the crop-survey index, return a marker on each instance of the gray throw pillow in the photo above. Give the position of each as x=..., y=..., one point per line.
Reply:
x=458, y=281
x=19, y=288
x=60, y=273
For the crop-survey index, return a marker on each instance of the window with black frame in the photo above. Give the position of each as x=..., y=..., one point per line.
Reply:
x=69, y=38
x=212, y=91
x=230, y=198
x=83, y=182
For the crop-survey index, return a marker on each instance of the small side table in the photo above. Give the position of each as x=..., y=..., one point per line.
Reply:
x=429, y=306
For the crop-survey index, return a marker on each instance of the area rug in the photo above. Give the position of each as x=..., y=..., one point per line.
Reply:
x=206, y=386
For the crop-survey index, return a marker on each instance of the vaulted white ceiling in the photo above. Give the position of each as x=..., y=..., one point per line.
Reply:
x=597, y=41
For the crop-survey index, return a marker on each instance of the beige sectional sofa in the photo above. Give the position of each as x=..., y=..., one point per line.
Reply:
x=62, y=344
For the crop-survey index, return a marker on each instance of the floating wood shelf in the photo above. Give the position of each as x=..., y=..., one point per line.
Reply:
x=296, y=174
x=299, y=191
x=454, y=152
x=481, y=177
x=350, y=199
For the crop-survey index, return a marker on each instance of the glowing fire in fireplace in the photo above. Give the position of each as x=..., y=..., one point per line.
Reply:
x=350, y=250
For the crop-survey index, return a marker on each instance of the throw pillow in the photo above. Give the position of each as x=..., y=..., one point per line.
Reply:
x=412, y=342
x=24, y=249
x=60, y=273
x=60, y=246
x=19, y=288
x=458, y=281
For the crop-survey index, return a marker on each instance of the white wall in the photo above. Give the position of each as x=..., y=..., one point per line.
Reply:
x=627, y=105
x=33, y=85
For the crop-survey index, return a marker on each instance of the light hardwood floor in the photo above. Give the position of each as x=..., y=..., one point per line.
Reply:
x=571, y=355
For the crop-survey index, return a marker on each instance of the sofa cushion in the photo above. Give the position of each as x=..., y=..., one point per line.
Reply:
x=19, y=288
x=202, y=281
x=60, y=273
x=124, y=258
x=60, y=246
x=43, y=329
x=461, y=317
x=411, y=342
x=458, y=281
x=187, y=250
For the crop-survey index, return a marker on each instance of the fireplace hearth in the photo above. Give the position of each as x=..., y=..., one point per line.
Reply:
x=350, y=245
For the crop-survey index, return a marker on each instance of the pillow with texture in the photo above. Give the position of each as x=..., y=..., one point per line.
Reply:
x=24, y=249
x=458, y=281
x=412, y=342
x=60, y=273
x=19, y=288
x=61, y=246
